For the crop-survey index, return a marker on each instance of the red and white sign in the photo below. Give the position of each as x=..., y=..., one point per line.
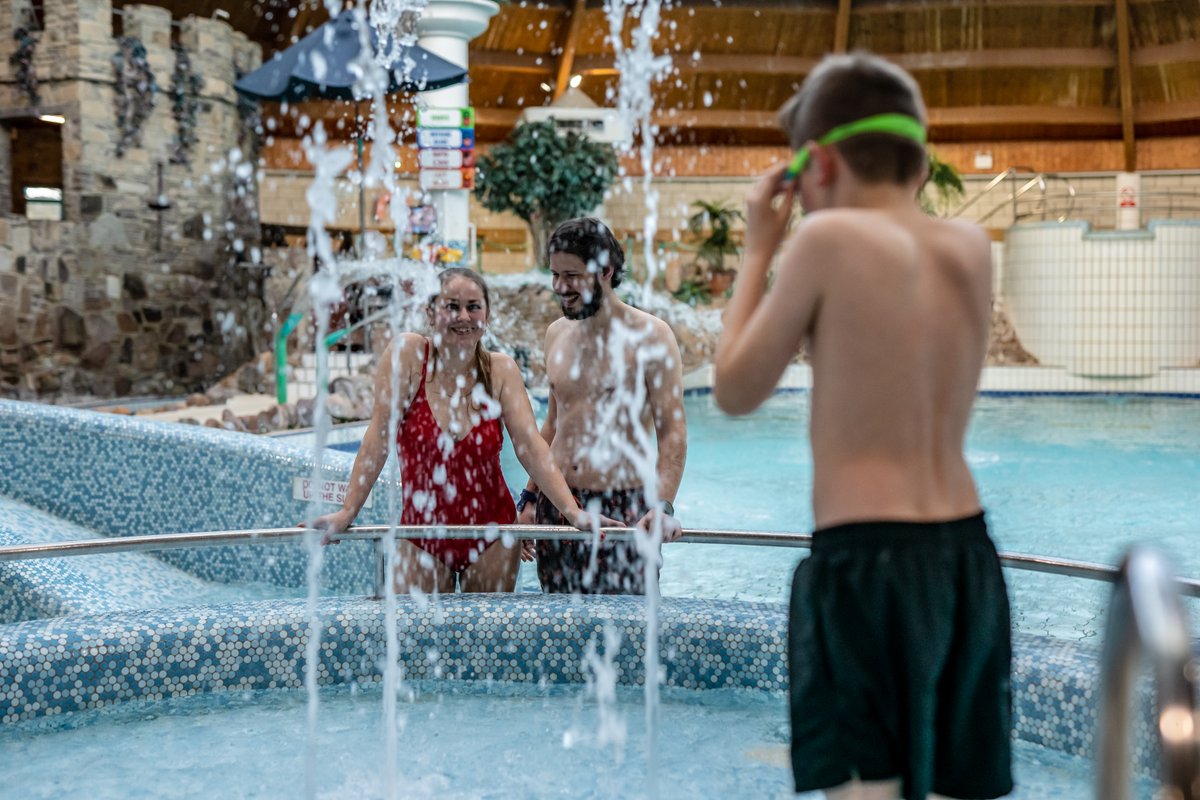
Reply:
x=333, y=492
x=441, y=159
x=441, y=179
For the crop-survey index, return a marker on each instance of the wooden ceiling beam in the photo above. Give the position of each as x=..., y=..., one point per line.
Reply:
x=722, y=63
x=717, y=63
x=1174, y=53
x=1125, y=79
x=967, y=116
x=1007, y=58
x=505, y=61
x=566, y=58
x=841, y=27
x=499, y=120
x=901, y=6
x=717, y=118
x=1176, y=111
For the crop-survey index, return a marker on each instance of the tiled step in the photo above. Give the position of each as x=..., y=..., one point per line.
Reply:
x=338, y=360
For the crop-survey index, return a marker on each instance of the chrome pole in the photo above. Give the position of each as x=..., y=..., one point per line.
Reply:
x=171, y=541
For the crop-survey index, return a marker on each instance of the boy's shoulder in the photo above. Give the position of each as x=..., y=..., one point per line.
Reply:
x=850, y=228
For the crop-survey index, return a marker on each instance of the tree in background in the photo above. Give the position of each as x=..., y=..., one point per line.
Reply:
x=545, y=177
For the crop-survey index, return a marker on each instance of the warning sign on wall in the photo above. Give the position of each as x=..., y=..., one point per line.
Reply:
x=333, y=492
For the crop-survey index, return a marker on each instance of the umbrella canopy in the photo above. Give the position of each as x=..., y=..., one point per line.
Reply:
x=319, y=66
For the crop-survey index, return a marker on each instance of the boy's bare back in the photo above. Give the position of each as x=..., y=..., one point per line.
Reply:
x=893, y=307
x=897, y=341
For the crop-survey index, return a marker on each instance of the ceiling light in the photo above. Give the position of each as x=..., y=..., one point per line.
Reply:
x=576, y=80
x=546, y=87
x=56, y=119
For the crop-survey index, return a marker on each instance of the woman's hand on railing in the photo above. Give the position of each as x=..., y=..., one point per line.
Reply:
x=585, y=521
x=330, y=525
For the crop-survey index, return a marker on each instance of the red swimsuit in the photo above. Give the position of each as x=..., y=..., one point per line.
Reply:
x=448, y=482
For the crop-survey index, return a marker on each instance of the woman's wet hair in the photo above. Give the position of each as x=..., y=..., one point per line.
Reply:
x=850, y=87
x=589, y=240
x=483, y=359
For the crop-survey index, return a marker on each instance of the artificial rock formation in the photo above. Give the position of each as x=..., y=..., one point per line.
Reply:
x=119, y=297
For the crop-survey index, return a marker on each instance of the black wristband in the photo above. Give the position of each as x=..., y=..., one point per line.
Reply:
x=525, y=499
x=667, y=508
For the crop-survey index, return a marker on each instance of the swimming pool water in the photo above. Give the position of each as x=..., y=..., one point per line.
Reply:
x=1071, y=477
x=454, y=741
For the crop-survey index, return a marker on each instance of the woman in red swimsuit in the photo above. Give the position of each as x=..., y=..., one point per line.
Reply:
x=453, y=397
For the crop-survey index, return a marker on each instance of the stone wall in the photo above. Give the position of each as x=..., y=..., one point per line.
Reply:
x=119, y=298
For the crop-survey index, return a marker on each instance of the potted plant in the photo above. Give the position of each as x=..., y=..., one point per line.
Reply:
x=943, y=186
x=712, y=225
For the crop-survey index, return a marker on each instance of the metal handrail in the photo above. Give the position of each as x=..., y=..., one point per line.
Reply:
x=171, y=541
x=1146, y=617
x=992, y=184
x=1015, y=193
x=336, y=336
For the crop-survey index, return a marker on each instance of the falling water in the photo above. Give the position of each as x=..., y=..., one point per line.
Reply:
x=638, y=68
x=324, y=292
x=372, y=82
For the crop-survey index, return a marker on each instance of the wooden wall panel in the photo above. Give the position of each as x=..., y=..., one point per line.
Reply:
x=740, y=161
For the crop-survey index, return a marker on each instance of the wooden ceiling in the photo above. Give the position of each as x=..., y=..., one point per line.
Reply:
x=990, y=69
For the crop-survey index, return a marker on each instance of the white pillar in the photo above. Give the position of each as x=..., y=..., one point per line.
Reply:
x=445, y=29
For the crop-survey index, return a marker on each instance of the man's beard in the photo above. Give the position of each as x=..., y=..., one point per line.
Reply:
x=589, y=307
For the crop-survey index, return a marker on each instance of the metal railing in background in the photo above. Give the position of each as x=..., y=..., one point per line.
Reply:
x=281, y=336
x=1146, y=617
x=1024, y=194
x=172, y=541
x=1100, y=208
x=1021, y=195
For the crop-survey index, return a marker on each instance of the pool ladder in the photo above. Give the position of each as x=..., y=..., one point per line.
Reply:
x=1146, y=618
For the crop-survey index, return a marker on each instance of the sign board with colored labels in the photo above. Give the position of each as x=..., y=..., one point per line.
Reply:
x=446, y=118
x=441, y=179
x=445, y=138
x=432, y=179
x=441, y=159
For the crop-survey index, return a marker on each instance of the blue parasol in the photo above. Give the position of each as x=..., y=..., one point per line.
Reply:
x=319, y=66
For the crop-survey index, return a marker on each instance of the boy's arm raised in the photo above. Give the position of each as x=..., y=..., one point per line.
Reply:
x=763, y=330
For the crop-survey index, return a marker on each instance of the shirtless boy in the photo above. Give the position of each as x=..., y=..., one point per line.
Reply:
x=899, y=634
x=616, y=390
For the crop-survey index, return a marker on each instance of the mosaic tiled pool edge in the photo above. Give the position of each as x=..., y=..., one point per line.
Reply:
x=50, y=669
x=122, y=476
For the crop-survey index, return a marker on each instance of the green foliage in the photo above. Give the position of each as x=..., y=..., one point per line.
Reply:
x=544, y=177
x=946, y=184
x=714, y=222
x=694, y=293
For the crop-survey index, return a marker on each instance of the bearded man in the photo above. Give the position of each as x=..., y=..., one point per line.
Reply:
x=615, y=421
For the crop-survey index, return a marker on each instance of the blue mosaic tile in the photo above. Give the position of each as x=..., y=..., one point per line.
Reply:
x=51, y=587
x=51, y=668
x=129, y=477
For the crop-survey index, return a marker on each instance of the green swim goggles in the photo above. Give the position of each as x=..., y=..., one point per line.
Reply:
x=896, y=124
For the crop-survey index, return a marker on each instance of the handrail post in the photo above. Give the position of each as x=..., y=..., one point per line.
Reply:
x=1146, y=616
x=379, y=591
